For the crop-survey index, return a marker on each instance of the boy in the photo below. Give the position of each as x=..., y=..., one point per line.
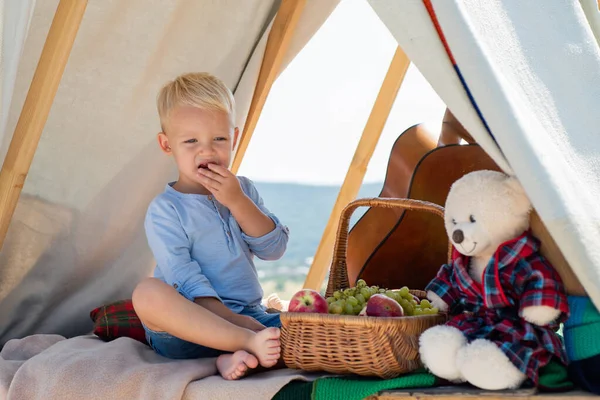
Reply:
x=204, y=230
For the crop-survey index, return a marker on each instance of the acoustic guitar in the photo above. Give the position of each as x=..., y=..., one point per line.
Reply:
x=394, y=248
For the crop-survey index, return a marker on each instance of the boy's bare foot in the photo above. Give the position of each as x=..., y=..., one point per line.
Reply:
x=266, y=347
x=234, y=366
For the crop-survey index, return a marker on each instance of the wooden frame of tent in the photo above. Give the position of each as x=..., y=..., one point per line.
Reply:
x=47, y=77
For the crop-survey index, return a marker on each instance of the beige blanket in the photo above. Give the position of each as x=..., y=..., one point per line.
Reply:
x=84, y=367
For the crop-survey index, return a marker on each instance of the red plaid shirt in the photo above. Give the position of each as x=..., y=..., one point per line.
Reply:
x=515, y=278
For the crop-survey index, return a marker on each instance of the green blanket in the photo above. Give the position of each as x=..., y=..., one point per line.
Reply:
x=356, y=388
x=553, y=377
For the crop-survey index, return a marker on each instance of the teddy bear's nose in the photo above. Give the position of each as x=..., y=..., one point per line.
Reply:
x=458, y=236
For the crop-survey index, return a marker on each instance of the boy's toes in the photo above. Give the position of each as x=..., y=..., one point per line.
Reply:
x=273, y=333
x=249, y=360
x=240, y=371
x=274, y=351
x=273, y=358
x=273, y=342
x=269, y=363
x=236, y=365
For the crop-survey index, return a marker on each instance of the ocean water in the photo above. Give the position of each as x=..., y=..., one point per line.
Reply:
x=305, y=209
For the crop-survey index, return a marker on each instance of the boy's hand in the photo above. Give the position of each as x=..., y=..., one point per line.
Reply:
x=226, y=188
x=247, y=322
x=221, y=183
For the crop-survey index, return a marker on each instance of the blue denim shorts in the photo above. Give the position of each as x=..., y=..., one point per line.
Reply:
x=170, y=346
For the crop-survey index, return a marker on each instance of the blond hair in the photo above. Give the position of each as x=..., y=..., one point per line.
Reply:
x=196, y=89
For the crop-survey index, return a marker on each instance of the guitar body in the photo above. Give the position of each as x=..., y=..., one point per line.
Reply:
x=415, y=245
x=375, y=225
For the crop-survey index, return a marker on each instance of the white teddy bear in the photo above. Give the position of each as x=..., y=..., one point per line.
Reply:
x=503, y=298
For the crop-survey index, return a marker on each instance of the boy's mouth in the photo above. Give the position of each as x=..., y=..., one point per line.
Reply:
x=204, y=165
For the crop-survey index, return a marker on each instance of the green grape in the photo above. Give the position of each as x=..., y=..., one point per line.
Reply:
x=330, y=300
x=394, y=295
x=418, y=311
x=381, y=291
x=341, y=302
x=347, y=292
x=434, y=310
x=408, y=308
x=352, y=300
x=404, y=291
x=425, y=303
x=360, y=298
x=348, y=309
x=366, y=293
x=413, y=302
x=337, y=294
x=408, y=297
x=361, y=283
x=357, y=309
x=335, y=308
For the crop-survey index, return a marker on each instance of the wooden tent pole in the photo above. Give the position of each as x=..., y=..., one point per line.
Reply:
x=279, y=39
x=358, y=167
x=34, y=114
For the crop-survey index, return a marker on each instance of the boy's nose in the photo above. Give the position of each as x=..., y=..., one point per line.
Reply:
x=206, y=149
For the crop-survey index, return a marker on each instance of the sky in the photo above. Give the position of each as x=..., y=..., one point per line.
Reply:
x=317, y=108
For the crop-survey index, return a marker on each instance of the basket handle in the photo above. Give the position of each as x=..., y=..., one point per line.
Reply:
x=338, y=273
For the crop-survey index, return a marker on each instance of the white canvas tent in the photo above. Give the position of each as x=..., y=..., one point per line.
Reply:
x=525, y=84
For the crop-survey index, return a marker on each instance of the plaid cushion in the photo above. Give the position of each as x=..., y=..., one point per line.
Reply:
x=117, y=319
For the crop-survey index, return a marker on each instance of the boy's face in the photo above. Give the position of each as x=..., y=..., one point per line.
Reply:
x=196, y=137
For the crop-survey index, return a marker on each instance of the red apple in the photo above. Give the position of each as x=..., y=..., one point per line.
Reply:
x=308, y=300
x=379, y=305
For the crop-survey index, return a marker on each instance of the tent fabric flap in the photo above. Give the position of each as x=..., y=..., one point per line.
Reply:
x=533, y=71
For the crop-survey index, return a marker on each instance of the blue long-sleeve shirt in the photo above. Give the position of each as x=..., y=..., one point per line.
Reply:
x=201, y=250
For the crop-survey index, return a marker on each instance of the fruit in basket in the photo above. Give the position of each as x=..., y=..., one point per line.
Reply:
x=335, y=308
x=308, y=300
x=365, y=292
x=380, y=305
x=354, y=300
x=348, y=309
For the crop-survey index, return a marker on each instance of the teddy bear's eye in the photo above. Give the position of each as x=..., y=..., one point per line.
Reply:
x=453, y=221
x=471, y=218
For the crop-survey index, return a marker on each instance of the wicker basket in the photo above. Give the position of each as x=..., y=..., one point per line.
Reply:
x=370, y=346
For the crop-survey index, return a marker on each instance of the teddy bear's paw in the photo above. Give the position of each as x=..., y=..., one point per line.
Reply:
x=540, y=315
x=437, y=301
x=484, y=365
x=438, y=347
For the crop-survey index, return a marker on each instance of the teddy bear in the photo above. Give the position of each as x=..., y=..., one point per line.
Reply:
x=503, y=299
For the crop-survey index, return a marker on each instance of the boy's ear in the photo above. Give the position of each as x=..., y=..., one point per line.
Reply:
x=163, y=142
x=236, y=135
